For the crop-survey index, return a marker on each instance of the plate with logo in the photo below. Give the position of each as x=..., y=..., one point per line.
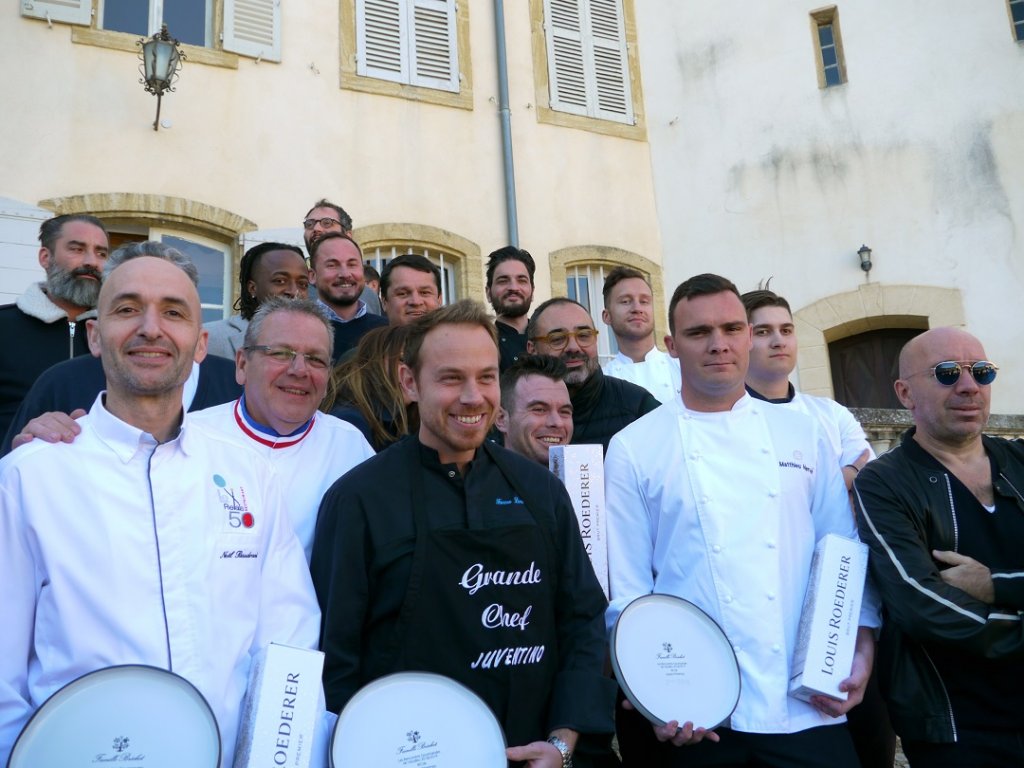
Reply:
x=674, y=662
x=417, y=720
x=130, y=715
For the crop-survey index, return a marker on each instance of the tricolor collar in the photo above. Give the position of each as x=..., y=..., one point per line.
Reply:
x=265, y=435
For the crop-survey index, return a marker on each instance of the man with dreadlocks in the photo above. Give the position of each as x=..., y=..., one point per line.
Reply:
x=266, y=270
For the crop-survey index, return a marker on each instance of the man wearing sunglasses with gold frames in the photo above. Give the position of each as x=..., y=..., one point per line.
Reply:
x=943, y=513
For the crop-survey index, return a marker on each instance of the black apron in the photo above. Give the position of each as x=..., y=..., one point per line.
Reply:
x=480, y=609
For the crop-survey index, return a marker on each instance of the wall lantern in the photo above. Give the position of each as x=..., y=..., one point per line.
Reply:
x=161, y=59
x=865, y=258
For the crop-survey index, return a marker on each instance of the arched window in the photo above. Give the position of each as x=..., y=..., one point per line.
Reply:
x=206, y=234
x=456, y=257
x=579, y=272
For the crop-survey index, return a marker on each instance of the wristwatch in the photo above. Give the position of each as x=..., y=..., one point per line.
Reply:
x=562, y=747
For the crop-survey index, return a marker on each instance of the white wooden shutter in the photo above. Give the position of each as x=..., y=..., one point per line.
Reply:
x=67, y=11
x=253, y=28
x=612, y=98
x=588, y=70
x=567, y=72
x=434, y=60
x=381, y=40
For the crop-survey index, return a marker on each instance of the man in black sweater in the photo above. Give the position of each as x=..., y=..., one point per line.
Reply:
x=336, y=268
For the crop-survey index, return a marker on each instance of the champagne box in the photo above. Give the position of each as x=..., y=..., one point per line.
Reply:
x=827, y=636
x=281, y=710
x=581, y=470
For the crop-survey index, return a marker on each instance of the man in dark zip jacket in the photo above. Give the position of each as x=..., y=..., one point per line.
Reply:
x=943, y=514
x=47, y=322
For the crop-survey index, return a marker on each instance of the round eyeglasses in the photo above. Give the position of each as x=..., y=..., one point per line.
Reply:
x=325, y=223
x=559, y=340
x=948, y=372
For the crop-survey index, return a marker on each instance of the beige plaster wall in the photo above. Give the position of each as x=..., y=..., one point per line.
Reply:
x=264, y=140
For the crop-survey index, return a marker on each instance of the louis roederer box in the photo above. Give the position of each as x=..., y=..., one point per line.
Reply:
x=827, y=636
x=281, y=709
x=581, y=470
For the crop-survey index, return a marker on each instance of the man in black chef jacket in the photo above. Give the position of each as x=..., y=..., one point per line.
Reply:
x=509, y=604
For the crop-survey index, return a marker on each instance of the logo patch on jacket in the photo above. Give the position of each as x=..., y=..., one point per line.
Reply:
x=237, y=517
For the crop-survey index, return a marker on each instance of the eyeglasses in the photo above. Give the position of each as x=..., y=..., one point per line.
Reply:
x=286, y=356
x=325, y=222
x=559, y=340
x=948, y=372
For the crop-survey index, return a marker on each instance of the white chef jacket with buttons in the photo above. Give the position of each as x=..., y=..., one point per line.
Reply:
x=117, y=550
x=307, y=463
x=724, y=509
x=658, y=373
x=844, y=432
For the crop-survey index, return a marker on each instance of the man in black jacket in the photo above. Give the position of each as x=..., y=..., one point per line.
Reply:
x=602, y=405
x=449, y=554
x=943, y=514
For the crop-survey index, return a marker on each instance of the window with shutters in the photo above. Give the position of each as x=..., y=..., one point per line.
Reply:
x=416, y=49
x=211, y=31
x=586, y=67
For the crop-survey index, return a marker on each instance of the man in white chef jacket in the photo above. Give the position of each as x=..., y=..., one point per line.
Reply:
x=719, y=499
x=149, y=539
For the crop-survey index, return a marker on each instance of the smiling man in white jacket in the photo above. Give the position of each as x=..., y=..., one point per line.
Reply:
x=720, y=499
x=149, y=539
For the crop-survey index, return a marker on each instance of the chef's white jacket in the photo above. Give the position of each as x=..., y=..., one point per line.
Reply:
x=117, y=550
x=724, y=509
x=658, y=373
x=307, y=464
x=844, y=432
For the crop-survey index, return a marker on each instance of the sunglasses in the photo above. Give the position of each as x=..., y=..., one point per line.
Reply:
x=948, y=373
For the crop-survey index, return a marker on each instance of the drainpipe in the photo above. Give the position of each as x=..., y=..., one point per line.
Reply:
x=506, y=126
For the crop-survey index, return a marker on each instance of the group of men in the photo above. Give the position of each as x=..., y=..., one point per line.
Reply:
x=261, y=520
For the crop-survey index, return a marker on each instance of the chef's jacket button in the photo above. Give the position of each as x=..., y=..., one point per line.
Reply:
x=716, y=549
x=695, y=456
x=686, y=416
x=727, y=598
x=773, y=493
x=703, y=499
x=771, y=595
x=776, y=648
x=770, y=544
x=764, y=449
x=735, y=649
x=451, y=473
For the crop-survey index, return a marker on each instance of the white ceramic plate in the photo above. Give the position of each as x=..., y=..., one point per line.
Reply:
x=417, y=719
x=674, y=662
x=130, y=715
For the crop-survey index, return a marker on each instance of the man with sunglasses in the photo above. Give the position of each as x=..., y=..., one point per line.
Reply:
x=943, y=513
x=602, y=405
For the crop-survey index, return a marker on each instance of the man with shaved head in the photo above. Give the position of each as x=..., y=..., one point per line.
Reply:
x=943, y=513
